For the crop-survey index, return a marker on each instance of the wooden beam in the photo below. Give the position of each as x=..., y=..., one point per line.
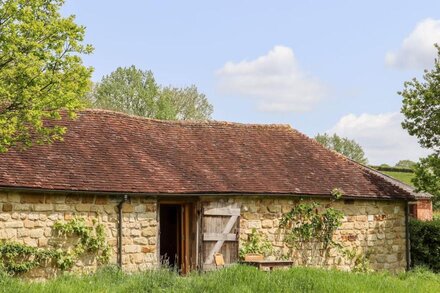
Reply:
x=219, y=236
x=227, y=211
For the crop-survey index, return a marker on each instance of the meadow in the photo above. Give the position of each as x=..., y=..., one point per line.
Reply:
x=405, y=177
x=234, y=279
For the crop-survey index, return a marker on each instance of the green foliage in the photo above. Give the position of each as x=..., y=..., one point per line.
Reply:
x=347, y=147
x=187, y=103
x=427, y=177
x=403, y=174
x=407, y=164
x=309, y=229
x=238, y=278
x=307, y=222
x=41, y=72
x=256, y=244
x=425, y=243
x=337, y=193
x=90, y=240
x=385, y=167
x=405, y=177
x=421, y=107
x=360, y=262
x=17, y=258
x=128, y=90
x=136, y=92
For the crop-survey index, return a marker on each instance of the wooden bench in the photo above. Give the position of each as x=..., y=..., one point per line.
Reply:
x=269, y=265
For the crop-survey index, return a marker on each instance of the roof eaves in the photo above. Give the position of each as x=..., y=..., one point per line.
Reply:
x=399, y=184
x=198, y=193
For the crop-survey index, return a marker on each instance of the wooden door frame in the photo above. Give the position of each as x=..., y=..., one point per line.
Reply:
x=187, y=246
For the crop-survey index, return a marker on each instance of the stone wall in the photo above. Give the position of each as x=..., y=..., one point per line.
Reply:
x=376, y=227
x=28, y=218
x=373, y=227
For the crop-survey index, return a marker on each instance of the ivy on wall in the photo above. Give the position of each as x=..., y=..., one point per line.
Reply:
x=308, y=230
x=17, y=258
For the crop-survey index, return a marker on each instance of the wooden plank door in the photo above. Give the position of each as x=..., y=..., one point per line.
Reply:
x=220, y=233
x=185, y=264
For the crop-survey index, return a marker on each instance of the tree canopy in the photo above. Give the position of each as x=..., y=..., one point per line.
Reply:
x=41, y=72
x=405, y=164
x=421, y=107
x=135, y=91
x=427, y=177
x=347, y=147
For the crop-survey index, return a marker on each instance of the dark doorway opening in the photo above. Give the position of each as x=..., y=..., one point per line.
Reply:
x=170, y=235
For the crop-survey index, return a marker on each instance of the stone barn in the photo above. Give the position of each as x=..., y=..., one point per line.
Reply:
x=183, y=191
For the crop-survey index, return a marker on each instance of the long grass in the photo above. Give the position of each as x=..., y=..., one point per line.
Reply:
x=233, y=279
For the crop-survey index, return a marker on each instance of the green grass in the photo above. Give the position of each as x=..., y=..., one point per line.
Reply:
x=405, y=177
x=234, y=279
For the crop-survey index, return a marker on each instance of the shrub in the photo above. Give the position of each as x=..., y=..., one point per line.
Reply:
x=425, y=244
x=256, y=244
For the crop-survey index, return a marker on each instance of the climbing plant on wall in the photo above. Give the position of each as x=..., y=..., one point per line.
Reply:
x=256, y=243
x=17, y=258
x=308, y=231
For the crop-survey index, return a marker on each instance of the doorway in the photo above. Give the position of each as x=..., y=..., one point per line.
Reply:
x=170, y=235
x=177, y=234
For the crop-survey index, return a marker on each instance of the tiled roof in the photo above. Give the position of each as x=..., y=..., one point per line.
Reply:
x=408, y=188
x=106, y=151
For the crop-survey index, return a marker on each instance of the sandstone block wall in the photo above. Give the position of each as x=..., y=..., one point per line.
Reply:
x=28, y=218
x=373, y=227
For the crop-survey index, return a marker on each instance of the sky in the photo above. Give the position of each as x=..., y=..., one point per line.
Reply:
x=320, y=66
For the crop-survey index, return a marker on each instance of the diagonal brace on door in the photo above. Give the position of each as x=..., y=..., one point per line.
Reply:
x=218, y=245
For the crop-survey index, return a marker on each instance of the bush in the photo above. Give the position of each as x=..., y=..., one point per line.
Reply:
x=425, y=244
x=385, y=167
x=256, y=244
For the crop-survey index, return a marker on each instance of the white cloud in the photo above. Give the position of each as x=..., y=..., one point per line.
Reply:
x=274, y=80
x=417, y=50
x=381, y=136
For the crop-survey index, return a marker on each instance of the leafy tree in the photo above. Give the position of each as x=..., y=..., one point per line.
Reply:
x=343, y=145
x=427, y=177
x=41, y=72
x=128, y=90
x=421, y=107
x=405, y=164
x=136, y=92
x=188, y=103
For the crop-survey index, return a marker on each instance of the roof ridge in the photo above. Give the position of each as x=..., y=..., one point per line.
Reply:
x=190, y=122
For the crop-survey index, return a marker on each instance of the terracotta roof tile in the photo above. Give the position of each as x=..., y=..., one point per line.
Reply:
x=112, y=152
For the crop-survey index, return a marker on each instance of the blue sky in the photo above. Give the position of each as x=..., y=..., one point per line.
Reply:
x=320, y=66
